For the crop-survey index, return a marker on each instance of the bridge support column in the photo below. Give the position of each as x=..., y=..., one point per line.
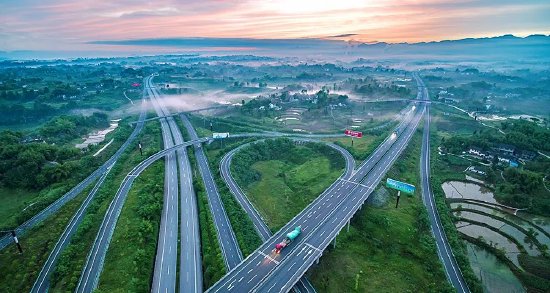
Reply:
x=317, y=261
x=334, y=243
x=348, y=225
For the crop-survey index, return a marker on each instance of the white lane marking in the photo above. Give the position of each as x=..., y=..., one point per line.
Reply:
x=251, y=279
x=353, y=182
x=313, y=247
x=268, y=257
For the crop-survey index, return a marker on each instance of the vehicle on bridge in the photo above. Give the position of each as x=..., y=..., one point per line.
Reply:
x=288, y=239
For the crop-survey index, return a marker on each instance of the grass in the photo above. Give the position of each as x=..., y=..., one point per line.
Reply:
x=46, y=196
x=453, y=122
x=19, y=271
x=364, y=146
x=213, y=266
x=443, y=169
x=69, y=268
x=13, y=201
x=242, y=225
x=135, y=237
x=246, y=235
x=386, y=249
x=285, y=189
x=361, y=146
x=286, y=151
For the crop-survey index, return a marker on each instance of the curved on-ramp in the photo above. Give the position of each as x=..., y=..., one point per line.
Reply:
x=259, y=223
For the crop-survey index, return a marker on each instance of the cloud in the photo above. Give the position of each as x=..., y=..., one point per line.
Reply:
x=36, y=24
x=161, y=11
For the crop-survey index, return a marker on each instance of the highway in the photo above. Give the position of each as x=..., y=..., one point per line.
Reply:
x=444, y=251
x=56, y=205
x=320, y=221
x=257, y=220
x=259, y=223
x=42, y=282
x=190, y=272
x=264, y=272
x=312, y=245
x=164, y=276
x=92, y=268
x=231, y=252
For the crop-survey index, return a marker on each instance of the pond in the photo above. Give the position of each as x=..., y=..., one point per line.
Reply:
x=524, y=220
x=503, y=227
x=493, y=273
x=98, y=136
x=467, y=190
x=494, y=239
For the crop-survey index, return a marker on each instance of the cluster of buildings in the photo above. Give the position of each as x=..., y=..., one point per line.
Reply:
x=506, y=154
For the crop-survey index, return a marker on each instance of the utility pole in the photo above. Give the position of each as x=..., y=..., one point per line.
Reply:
x=15, y=239
x=140, y=149
x=398, y=196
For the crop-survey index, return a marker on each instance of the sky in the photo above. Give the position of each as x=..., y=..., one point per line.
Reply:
x=73, y=24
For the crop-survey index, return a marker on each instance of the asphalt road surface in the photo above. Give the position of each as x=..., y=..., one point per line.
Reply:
x=165, y=263
x=42, y=282
x=265, y=271
x=303, y=284
x=99, y=249
x=231, y=252
x=257, y=220
x=164, y=276
x=55, y=206
x=190, y=273
x=444, y=251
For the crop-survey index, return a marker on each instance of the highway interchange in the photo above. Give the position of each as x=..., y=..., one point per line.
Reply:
x=265, y=271
x=262, y=271
x=303, y=284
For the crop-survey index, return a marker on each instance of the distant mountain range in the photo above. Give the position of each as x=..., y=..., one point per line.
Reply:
x=507, y=47
x=501, y=47
x=506, y=38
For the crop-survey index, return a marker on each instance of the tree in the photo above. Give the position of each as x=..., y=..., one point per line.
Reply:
x=495, y=162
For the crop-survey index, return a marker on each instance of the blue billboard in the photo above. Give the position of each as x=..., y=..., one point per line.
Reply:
x=401, y=186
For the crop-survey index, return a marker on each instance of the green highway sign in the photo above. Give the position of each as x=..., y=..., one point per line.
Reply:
x=401, y=186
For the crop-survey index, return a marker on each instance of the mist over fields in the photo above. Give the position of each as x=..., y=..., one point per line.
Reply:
x=506, y=48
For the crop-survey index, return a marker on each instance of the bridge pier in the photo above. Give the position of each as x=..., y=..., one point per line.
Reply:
x=348, y=226
x=334, y=243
